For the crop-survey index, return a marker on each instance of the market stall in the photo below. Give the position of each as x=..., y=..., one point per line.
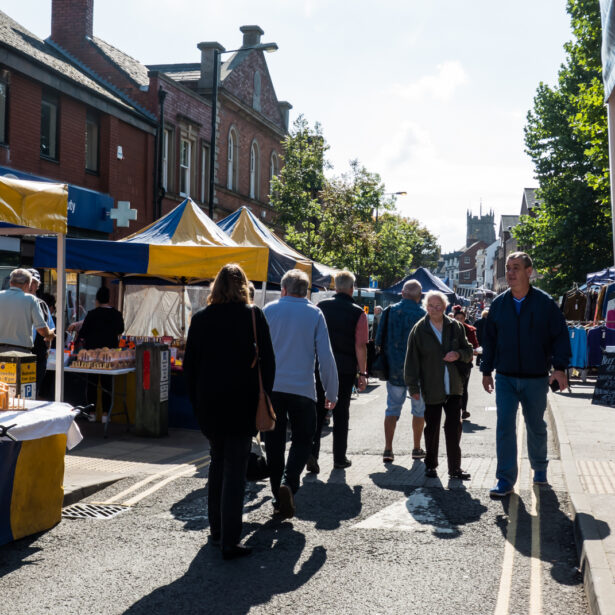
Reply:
x=428, y=282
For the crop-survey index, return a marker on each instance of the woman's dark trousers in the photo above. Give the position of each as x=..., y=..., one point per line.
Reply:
x=452, y=432
x=464, y=397
x=226, y=486
x=106, y=385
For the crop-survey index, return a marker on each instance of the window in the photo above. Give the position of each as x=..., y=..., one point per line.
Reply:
x=466, y=275
x=204, y=173
x=49, y=126
x=254, y=170
x=273, y=167
x=92, y=131
x=466, y=260
x=4, y=98
x=256, y=93
x=168, y=151
x=185, y=159
x=232, y=159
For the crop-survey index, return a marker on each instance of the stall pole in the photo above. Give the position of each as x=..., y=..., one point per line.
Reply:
x=183, y=317
x=611, y=124
x=120, y=299
x=60, y=304
x=263, y=294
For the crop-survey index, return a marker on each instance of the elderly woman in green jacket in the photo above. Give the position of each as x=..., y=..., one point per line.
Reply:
x=435, y=343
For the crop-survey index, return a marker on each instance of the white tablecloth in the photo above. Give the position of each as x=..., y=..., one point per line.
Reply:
x=42, y=419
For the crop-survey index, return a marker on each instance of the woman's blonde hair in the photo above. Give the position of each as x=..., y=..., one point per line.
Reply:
x=230, y=286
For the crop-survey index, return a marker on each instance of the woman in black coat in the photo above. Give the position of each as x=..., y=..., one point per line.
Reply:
x=224, y=391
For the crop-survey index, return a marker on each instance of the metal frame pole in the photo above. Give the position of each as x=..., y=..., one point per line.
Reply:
x=60, y=324
x=611, y=125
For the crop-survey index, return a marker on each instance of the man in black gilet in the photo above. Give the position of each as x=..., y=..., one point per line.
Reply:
x=349, y=333
x=41, y=345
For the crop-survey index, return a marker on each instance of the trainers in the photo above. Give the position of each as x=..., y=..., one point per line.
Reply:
x=312, y=465
x=418, y=453
x=540, y=477
x=286, y=502
x=459, y=474
x=388, y=456
x=343, y=464
x=501, y=490
x=431, y=473
x=465, y=414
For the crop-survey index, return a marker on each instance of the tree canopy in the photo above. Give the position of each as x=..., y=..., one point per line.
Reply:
x=346, y=221
x=569, y=234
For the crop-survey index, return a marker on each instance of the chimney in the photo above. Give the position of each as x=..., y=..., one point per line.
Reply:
x=251, y=35
x=284, y=107
x=207, y=63
x=71, y=22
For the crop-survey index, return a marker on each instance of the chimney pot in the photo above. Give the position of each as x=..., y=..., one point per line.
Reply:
x=284, y=107
x=251, y=35
x=72, y=22
x=207, y=63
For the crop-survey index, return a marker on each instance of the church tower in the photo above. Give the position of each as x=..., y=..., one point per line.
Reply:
x=480, y=228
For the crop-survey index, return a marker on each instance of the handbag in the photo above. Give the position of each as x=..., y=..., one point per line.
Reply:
x=265, y=414
x=380, y=366
x=257, y=462
x=463, y=367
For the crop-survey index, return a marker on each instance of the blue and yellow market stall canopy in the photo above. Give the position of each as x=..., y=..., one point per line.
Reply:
x=247, y=230
x=34, y=206
x=185, y=244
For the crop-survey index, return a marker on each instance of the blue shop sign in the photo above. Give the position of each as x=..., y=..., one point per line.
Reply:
x=87, y=209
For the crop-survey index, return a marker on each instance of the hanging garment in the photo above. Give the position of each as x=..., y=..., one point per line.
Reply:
x=575, y=303
x=578, y=344
x=597, y=339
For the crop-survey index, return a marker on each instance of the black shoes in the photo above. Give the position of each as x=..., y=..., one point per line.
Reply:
x=342, y=465
x=431, y=473
x=235, y=552
x=286, y=502
x=312, y=465
x=459, y=474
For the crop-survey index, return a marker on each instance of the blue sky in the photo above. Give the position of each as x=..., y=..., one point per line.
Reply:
x=430, y=94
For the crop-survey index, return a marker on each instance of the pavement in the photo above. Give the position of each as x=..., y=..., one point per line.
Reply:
x=584, y=433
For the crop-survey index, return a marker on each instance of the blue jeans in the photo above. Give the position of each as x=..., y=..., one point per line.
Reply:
x=532, y=394
x=301, y=413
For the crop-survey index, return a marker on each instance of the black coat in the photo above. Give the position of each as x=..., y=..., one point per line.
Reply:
x=102, y=328
x=222, y=386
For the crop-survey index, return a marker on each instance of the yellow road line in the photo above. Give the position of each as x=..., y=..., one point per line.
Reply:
x=162, y=483
x=535, y=567
x=503, y=603
x=153, y=477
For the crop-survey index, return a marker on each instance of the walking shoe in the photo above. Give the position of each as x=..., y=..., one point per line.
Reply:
x=431, y=473
x=540, y=477
x=501, y=490
x=342, y=465
x=459, y=474
x=465, y=414
x=418, y=453
x=312, y=465
x=286, y=502
x=387, y=456
x=235, y=552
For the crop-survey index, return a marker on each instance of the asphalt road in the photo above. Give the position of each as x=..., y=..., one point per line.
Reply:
x=372, y=539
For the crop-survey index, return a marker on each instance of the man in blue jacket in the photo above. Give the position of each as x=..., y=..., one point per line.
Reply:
x=525, y=334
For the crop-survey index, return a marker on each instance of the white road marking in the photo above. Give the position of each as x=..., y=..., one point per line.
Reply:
x=418, y=513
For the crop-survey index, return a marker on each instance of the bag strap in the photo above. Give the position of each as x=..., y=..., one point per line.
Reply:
x=385, y=324
x=256, y=356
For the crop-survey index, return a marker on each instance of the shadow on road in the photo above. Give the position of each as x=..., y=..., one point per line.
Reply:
x=14, y=554
x=470, y=427
x=212, y=585
x=328, y=504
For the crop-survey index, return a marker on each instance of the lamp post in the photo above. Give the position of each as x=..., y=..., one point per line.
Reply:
x=400, y=193
x=269, y=48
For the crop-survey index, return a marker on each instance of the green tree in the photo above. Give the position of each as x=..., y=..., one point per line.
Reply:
x=566, y=137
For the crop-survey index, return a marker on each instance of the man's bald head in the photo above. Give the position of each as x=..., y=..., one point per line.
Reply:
x=412, y=289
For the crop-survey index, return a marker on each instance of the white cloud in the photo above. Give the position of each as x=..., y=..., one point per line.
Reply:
x=439, y=86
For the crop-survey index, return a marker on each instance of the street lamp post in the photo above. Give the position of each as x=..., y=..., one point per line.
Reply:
x=268, y=47
x=400, y=193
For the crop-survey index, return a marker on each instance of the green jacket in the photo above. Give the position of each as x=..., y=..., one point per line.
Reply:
x=425, y=365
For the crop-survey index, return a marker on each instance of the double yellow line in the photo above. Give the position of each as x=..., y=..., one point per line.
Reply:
x=171, y=474
x=503, y=603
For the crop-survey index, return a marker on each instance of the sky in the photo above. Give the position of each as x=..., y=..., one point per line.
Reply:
x=430, y=94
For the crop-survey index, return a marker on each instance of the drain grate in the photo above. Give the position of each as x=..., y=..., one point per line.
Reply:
x=93, y=511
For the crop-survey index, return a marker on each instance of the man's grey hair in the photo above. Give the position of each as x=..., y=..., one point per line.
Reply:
x=378, y=309
x=439, y=295
x=527, y=261
x=344, y=280
x=296, y=282
x=19, y=277
x=412, y=289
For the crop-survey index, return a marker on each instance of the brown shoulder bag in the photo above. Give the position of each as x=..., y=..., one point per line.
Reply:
x=265, y=414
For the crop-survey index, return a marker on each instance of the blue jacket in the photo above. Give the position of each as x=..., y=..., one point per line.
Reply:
x=525, y=345
x=401, y=317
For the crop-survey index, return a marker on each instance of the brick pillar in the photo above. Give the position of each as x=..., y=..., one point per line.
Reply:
x=71, y=22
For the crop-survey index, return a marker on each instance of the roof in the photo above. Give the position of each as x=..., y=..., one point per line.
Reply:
x=508, y=221
x=530, y=197
x=16, y=37
x=127, y=64
x=428, y=282
x=180, y=72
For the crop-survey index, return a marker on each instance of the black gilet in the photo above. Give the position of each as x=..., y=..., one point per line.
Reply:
x=342, y=314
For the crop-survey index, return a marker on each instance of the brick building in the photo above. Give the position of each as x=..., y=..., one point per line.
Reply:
x=467, y=269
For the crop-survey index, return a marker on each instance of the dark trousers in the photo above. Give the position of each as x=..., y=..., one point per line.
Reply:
x=341, y=417
x=452, y=432
x=227, y=486
x=301, y=413
x=41, y=368
x=464, y=397
x=92, y=387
